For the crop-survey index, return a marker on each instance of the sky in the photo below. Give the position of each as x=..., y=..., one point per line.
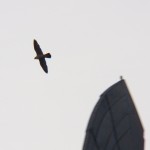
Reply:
x=92, y=43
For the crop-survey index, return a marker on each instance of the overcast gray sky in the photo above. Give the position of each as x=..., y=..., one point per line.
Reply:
x=92, y=43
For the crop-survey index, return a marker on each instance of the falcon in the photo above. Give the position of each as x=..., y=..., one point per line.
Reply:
x=40, y=56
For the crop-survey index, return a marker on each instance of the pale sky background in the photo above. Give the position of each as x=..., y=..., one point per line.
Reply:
x=92, y=43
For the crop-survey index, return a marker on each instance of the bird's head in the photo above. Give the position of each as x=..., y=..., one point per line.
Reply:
x=36, y=57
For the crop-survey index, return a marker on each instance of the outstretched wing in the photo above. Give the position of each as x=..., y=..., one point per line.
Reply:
x=43, y=64
x=37, y=48
x=114, y=123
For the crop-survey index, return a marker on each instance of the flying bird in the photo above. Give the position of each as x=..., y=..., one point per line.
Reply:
x=40, y=56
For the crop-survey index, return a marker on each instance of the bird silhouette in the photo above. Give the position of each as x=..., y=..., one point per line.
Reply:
x=40, y=56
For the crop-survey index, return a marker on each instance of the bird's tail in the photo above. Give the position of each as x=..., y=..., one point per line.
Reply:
x=48, y=55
